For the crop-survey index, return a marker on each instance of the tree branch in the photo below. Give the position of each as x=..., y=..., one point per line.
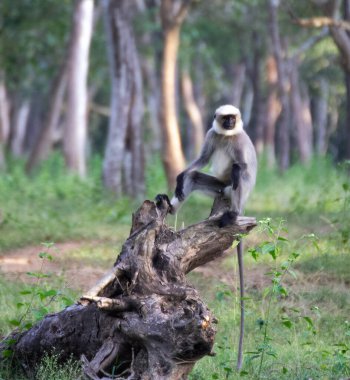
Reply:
x=320, y=22
x=309, y=43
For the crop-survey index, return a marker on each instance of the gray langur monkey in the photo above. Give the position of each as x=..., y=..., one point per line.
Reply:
x=234, y=165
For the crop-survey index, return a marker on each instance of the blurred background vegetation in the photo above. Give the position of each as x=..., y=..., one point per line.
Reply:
x=101, y=105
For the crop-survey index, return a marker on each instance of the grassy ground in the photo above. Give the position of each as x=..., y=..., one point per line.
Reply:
x=298, y=299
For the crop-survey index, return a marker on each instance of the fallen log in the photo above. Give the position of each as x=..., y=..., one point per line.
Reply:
x=142, y=318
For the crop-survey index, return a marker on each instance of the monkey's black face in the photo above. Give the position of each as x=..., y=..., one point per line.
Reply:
x=228, y=121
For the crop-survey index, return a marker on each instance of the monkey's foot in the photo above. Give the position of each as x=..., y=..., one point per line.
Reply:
x=160, y=198
x=228, y=218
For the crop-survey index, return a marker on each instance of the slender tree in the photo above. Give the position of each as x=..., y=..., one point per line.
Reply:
x=301, y=115
x=123, y=166
x=74, y=139
x=173, y=13
x=320, y=116
x=193, y=112
x=4, y=120
x=19, y=127
x=283, y=141
x=44, y=141
x=255, y=126
x=273, y=109
x=239, y=76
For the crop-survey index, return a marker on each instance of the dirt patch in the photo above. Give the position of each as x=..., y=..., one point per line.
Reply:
x=78, y=275
x=15, y=264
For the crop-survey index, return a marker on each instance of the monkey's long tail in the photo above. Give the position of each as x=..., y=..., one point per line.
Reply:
x=241, y=290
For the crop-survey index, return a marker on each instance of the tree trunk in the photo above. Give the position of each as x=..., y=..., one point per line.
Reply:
x=273, y=109
x=124, y=131
x=193, y=113
x=347, y=120
x=199, y=91
x=341, y=38
x=173, y=158
x=151, y=42
x=283, y=142
x=302, y=116
x=247, y=104
x=44, y=142
x=346, y=4
x=256, y=120
x=19, y=127
x=4, y=120
x=153, y=105
x=239, y=76
x=142, y=318
x=320, y=114
x=74, y=139
x=34, y=122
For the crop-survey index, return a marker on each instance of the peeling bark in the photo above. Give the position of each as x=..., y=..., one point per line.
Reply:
x=142, y=317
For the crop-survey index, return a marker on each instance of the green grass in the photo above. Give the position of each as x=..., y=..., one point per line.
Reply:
x=301, y=351
x=314, y=201
x=48, y=369
x=54, y=206
x=22, y=299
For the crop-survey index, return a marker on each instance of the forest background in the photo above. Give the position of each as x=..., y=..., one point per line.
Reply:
x=102, y=104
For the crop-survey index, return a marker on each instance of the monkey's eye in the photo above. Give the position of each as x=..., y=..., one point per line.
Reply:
x=228, y=117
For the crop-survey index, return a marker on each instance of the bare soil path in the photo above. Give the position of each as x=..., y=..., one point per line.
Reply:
x=80, y=273
x=15, y=264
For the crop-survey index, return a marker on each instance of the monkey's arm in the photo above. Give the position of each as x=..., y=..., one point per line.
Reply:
x=243, y=175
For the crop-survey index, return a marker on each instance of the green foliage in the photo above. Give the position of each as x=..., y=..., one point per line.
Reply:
x=297, y=298
x=29, y=304
x=292, y=332
x=33, y=39
x=297, y=323
x=54, y=206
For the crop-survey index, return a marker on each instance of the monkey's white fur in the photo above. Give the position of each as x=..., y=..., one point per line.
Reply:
x=232, y=151
x=228, y=109
x=234, y=165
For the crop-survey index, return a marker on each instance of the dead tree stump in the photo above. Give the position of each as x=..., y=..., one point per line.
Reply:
x=142, y=317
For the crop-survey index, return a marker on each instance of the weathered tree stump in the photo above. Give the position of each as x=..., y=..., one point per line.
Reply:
x=142, y=317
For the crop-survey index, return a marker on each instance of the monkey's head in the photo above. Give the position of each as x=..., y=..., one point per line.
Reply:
x=227, y=120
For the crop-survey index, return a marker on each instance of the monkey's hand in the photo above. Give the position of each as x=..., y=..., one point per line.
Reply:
x=179, y=187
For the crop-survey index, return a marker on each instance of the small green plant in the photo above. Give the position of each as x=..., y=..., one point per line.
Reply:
x=50, y=368
x=273, y=247
x=39, y=296
x=37, y=300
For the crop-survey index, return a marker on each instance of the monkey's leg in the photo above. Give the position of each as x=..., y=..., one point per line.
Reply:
x=197, y=181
